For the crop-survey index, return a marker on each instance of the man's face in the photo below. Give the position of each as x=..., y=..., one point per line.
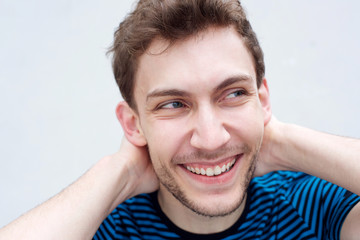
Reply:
x=200, y=112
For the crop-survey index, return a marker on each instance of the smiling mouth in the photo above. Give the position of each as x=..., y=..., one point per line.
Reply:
x=211, y=171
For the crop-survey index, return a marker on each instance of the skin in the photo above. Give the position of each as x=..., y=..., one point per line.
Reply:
x=194, y=110
x=77, y=211
x=332, y=158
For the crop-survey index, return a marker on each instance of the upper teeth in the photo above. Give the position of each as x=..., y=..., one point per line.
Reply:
x=211, y=171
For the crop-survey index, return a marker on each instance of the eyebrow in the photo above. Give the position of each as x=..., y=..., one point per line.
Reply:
x=179, y=93
x=167, y=92
x=232, y=80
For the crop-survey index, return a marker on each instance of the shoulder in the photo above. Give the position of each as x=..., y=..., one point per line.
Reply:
x=298, y=199
x=141, y=206
x=297, y=185
x=279, y=178
x=279, y=182
x=126, y=220
x=136, y=218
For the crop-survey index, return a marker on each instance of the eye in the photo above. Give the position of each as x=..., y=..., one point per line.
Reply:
x=175, y=104
x=236, y=93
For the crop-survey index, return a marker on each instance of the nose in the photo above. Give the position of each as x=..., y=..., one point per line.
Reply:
x=209, y=131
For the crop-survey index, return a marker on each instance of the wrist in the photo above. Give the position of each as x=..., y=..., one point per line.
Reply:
x=116, y=182
x=291, y=146
x=279, y=139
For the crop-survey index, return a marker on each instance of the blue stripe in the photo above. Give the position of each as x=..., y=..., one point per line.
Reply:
x=282, y=205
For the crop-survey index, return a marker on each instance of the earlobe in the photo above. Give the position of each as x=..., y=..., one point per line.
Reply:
x=265, y=101
x=129, y=122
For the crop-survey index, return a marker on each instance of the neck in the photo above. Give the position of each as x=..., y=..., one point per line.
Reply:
x=192, y=222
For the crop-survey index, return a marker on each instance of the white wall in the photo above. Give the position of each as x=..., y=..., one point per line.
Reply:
x=312, y=61
x=57, y=93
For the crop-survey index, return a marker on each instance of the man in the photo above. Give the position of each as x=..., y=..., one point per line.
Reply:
x=195, y=116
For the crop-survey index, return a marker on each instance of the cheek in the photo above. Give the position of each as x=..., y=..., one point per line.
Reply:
x=164, y=139
x=248, y=122
x=164, y=133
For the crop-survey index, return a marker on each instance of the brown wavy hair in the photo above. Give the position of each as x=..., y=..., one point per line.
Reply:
x=174, y=20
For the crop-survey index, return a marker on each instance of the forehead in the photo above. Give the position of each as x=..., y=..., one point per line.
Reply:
x=198, y=61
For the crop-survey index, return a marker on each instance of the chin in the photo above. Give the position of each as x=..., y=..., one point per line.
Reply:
x=210, y=203
x=215, y=205
x=216, y=196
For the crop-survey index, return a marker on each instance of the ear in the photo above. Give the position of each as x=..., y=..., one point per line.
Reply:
x=129, y=121
x=264, y=97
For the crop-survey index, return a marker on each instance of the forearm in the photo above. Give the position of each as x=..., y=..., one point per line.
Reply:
x=77, y=211
x=330, y=157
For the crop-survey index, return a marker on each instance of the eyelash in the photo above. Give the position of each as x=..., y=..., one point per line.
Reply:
x=179, y=102
x=241, y=91
x=168, y=103
x=171, y=103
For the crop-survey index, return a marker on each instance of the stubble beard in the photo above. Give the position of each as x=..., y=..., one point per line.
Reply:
x=167, y=180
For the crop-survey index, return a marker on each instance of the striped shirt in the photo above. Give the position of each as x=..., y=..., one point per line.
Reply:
x=280, y=205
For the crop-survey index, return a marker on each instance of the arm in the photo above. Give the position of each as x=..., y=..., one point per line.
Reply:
x=77, y=211
x=333, y=158
x=291, y=147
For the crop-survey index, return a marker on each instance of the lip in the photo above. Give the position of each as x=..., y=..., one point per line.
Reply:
x=206, y=164
x=221, y=179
